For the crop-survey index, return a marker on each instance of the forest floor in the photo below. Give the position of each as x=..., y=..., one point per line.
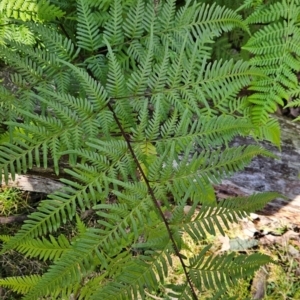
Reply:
x=256, y=233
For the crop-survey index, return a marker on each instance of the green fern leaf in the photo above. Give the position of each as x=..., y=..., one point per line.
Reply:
x=20, y=284
x=206, y=273
x=30, y=10
x=113, y=32
x=133, y=24
x=278, y=63
x=88, y=34
x=45, y=249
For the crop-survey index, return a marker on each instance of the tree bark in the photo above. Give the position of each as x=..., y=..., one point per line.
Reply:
x=34, y=183
x=267, y=174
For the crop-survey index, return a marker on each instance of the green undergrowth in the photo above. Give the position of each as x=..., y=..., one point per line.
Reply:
x=12, y=201
x=282, y=277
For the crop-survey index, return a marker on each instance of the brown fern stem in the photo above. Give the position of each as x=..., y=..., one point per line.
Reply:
x=155, y=202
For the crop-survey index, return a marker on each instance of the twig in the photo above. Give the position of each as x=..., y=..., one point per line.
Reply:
x=154, y=200
x=152, y=296
x=13, y=219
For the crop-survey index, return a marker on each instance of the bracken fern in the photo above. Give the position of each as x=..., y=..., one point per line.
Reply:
x=129, y=93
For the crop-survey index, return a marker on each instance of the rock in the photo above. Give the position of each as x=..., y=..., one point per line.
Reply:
x=267, y=174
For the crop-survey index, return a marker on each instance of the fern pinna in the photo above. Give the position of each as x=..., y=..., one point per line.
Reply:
x=129, y=92
x=275, y=50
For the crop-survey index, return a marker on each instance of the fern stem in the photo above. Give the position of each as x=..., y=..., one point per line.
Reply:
x=155, y=202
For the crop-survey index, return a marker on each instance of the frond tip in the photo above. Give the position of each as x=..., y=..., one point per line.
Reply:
x=221, y=272
x=21, y=285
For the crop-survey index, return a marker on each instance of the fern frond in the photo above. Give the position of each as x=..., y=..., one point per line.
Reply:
x=123, y=87
x=133, y=24
x=88, y=33
x=67, y=271
x=98, y=66
x=30, y=10
x=113, y=32
x=76, y=262
x=20, y=284
x=251, y=4
x=138, y=81
x=270, y=131
x=5, y=238
x=29, y=69
x=206, y=18
x=60, y=207
x=209, y=273
x=236, y=75
x=55, y=42
x=274, y=12
x=139, y=274
x=44, y=134
x=116, y=84
x=179, y=291
x=177, y=66
x=279, y=63
x=17, y=33
x=167, y=15
x=46, y=11
x=251, y=203
x=45, y=249
x=160, y=74
x=228, y=211
x=212, y=165
x=95, y=92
